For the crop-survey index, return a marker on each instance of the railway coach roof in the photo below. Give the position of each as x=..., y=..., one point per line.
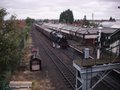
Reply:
x=46, y=29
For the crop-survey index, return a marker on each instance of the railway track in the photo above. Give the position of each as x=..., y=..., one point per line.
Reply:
x=70, y=54
x=68, y=75
x=67, y=54
x=65, y=71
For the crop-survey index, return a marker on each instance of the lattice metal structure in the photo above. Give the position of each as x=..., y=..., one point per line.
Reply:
x=84, y=75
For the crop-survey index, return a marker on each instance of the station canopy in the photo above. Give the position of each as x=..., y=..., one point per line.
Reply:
x=78, y=29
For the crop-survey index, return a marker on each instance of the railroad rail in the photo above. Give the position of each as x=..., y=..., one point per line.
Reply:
x=65, y=71
x=68, y=75
x=68, y=58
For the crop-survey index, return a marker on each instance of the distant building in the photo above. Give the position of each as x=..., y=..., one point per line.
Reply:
x=111, y=24
x=90, y=34
x=53, y=21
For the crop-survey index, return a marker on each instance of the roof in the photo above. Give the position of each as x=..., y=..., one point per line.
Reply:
x=95, y=30
x=114, y=33
x=111, y=24
x=80, y=29
x=36, y=58
x=115, y=36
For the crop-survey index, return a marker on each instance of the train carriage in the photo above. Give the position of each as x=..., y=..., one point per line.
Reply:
x=58, y=39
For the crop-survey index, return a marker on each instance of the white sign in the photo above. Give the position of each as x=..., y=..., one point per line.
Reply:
x=35, y=67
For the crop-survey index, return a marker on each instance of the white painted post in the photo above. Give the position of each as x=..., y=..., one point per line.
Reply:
x=99, y=46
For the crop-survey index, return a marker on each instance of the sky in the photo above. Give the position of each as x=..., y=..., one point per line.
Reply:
x=51, y=9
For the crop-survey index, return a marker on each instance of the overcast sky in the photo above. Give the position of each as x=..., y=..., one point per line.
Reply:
x=51, y=9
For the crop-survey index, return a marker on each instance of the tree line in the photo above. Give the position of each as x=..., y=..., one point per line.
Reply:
x=68, y=18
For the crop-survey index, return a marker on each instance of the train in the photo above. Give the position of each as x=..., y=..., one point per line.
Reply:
x=58, y=39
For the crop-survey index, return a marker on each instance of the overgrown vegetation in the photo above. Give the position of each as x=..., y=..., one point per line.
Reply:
x=11, y=46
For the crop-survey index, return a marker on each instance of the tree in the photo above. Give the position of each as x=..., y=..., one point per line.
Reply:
x=112, y=19
x=8, y=42
x=29, y=21
x=85, y=21
x=2, y=15
x=10, y=39
x=66, y=17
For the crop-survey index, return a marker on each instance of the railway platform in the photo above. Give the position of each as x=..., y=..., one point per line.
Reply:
x=87, y=69
x=106, y=58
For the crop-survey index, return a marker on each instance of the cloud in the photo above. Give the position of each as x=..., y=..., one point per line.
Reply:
x=102, y=9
